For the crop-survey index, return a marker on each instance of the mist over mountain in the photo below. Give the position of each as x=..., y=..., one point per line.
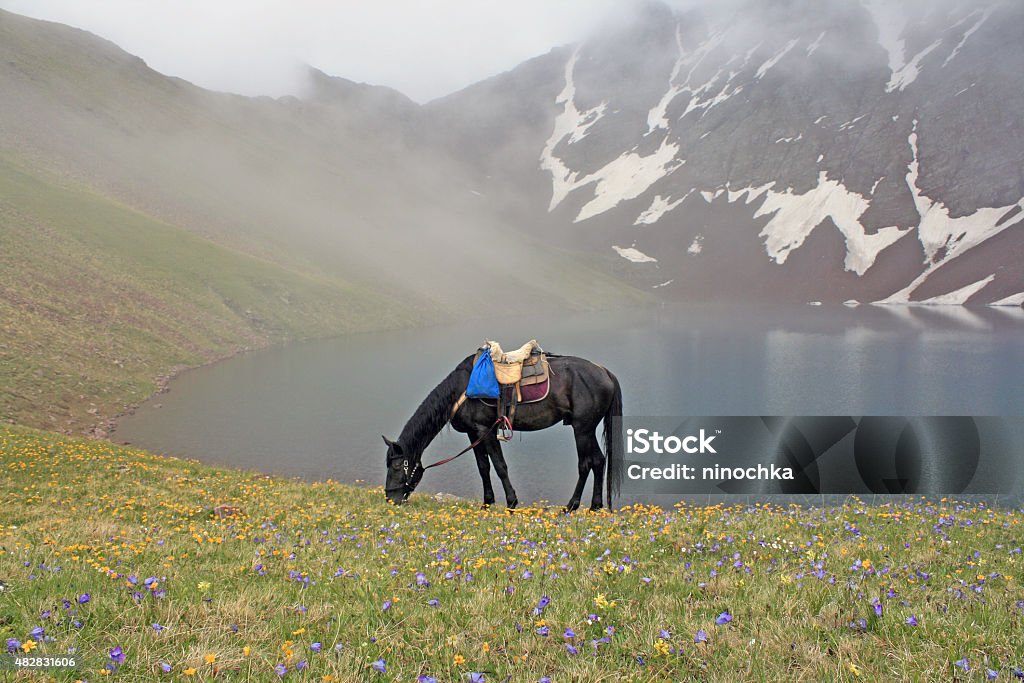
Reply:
x=793, y=151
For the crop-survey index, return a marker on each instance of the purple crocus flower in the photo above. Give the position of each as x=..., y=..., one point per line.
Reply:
x=165, y=667
x=386, y=606
x=84, y=598
x=13, y=645
x=991, y=675
x=434, y=603
x=281, y=670
x=569, y=634
x=701, y=637
x=963, y=664
x=117, y=655
x=543, y=631
x=426, y=679
x=541, y=604
x=878, y=608
x=912, y=620
x=37, y=633
x=380, y=666
x=476, y=677
x=158, y=628
x=301, y=665
x=571, y=649
x=723, y=618
x=316, y=647
x=664, y=635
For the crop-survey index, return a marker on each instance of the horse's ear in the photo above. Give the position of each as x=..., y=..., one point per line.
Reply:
x=388, y=442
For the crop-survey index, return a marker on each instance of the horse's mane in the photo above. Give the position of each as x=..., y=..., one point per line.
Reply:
x=434, y=412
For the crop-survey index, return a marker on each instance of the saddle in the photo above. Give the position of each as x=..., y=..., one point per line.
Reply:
x=523, y=376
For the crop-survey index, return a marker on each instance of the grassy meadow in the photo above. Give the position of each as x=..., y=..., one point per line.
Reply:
x=152, y=568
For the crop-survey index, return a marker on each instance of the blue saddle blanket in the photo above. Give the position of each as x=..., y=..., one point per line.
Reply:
x=482, y=382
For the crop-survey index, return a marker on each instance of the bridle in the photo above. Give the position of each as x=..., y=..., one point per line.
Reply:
x=411, y=473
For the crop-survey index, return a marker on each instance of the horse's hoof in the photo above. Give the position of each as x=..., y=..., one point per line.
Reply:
x=512, y=505
x=573, y=506
x=595, y=508
x=486, y=506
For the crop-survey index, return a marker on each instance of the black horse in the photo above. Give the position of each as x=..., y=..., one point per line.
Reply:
x=581, y=394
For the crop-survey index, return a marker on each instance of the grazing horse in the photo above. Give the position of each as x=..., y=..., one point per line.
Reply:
x=581, y=394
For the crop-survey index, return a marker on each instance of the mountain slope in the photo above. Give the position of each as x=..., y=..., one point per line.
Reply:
x=788, y=151
x=96, y=300
x=147, y=224
x=323, y=184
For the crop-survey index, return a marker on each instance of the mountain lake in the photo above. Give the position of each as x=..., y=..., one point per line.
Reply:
x=317, y=409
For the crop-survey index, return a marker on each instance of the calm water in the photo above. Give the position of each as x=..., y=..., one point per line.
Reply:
x=317, y=410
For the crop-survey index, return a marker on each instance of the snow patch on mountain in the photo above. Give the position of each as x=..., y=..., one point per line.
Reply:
x=794, y=216
x=890, y=20
x=570, y=123
x=658, y=208
x=943, y=237
x=959, y=297
x=705, y=96
x=939, y=231
x=908, y=73
x=657, y=116
x=816, y=44
x=635, y=255
x=751, y=193
x=763, y=69
x=985, y=14
x=697, y=246
x=627, y=177
x=1012, y=300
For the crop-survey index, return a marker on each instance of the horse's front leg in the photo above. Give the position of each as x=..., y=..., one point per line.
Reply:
x=494, y=448
x=484, y=465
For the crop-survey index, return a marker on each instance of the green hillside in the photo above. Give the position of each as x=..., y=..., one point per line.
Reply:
x=97, y=300
x=147, y=224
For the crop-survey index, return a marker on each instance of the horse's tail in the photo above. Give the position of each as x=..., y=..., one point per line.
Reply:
x=613, y=440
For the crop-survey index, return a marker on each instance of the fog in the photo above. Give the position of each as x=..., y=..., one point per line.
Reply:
x=361, y=191
x=422, y=49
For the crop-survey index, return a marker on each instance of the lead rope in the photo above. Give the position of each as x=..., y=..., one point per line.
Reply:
x=503, y=420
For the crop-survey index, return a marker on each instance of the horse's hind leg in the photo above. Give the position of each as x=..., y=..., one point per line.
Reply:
x=498, y=459
x=586, y=444
x=590, y=459
x=597, y=464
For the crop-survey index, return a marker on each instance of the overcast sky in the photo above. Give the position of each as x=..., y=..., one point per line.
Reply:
x=424, y=49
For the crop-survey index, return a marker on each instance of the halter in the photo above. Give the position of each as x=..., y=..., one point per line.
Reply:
x=502, y=420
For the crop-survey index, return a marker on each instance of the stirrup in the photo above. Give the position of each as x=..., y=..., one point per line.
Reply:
x=504, y=429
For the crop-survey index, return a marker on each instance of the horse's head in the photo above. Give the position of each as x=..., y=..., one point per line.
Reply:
x=404, y=473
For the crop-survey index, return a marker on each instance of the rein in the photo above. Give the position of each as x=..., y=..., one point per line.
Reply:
x=502, y=420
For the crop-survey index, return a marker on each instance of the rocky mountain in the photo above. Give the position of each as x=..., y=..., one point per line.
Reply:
x=787, y=151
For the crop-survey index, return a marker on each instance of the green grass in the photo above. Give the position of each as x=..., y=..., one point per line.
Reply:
x=294, y=564
x=98, y=300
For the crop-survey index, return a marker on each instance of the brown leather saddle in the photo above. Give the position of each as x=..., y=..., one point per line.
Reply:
x=530, y=383
x=523, y=375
